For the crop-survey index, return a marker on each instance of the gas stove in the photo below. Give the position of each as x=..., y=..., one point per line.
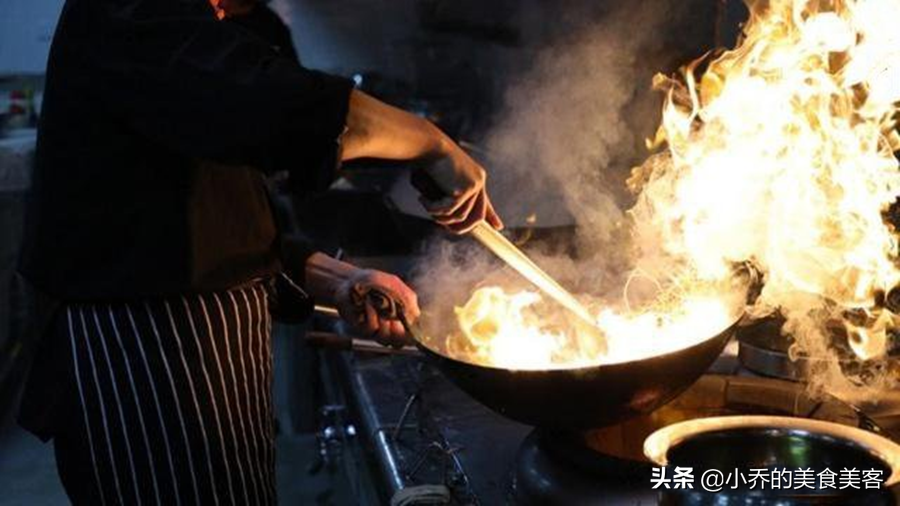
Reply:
x=418, y=436
x=607, y=464
x=420, y=433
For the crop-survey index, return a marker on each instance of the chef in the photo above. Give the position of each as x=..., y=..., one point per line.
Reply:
x=150, y=228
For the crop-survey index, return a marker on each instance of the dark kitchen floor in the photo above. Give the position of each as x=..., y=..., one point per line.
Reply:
x=28, y=470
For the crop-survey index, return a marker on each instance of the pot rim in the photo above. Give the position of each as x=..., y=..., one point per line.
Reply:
x=658, y=444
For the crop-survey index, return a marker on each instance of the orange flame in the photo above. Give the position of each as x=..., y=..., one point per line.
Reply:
x=519, y=331
x=783, y=155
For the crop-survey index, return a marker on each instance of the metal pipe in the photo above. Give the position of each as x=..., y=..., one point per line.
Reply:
x=389, y=467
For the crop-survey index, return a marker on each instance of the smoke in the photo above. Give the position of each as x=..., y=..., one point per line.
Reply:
x=572, y=126
x=576, y=121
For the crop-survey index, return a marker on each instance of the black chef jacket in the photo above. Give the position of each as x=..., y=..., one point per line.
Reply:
x=159, y=123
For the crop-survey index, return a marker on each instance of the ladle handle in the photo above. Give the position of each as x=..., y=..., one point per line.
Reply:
x=509, y=253
x=427, y=186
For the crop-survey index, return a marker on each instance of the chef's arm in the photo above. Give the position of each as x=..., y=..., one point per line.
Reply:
x=207, y=89
x=378, y=130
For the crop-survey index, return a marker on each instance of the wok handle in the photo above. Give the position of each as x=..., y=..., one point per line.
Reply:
x=338, y=342
x=328, y=341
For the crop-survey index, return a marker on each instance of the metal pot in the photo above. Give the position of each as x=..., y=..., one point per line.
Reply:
x=752, y=442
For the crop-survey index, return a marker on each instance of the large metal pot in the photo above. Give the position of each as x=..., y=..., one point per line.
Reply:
x=728, y=443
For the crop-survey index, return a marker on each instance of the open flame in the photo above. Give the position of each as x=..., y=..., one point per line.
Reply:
x=507, y=330
x=519, y=329
x=780, y=154
x=503, y=330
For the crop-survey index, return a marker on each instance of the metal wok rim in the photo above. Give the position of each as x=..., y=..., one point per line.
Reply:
x=731, y=327
x=658, y=444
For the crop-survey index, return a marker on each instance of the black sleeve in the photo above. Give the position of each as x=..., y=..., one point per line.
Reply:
x=291, y=302
x=210, y=89
x=295, y=251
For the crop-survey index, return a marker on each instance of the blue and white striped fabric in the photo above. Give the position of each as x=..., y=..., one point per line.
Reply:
x=174, y=401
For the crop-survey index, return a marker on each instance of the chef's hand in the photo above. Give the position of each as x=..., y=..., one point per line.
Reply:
x=356, y=304
x=378, y=130
x=462, y=182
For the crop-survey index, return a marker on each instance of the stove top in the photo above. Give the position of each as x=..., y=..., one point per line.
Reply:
x=423, y=434
x=422, y=431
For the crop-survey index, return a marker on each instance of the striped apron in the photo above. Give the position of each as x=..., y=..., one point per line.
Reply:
x=174, y=401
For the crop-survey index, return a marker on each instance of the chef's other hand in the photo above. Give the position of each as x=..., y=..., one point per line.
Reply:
x=464, y=201
x=356, y=304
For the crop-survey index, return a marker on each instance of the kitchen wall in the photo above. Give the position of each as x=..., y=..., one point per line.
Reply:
x=348, y=36
x=330, y=39
x=26, y=28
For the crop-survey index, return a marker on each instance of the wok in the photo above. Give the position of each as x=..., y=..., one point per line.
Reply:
x=571, y=398
x=583, y=397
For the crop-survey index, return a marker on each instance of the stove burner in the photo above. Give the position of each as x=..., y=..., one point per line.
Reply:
x=430, y=455
x=764, y=349
x=606, y=465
